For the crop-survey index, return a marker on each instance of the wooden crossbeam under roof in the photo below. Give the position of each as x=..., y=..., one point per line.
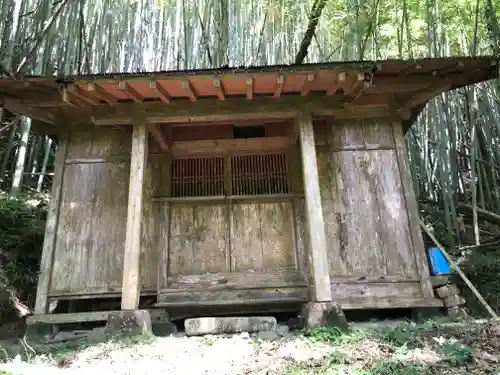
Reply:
x=358, y=90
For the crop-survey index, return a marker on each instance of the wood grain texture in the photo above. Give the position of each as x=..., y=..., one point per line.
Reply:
x=348, y=291
x=234, y=280
x=314, y=216
x=233, y=297
x=362, y=135
x=261, y=236
x=363, y=202
x=331, y=216
x=131, y=260
x=412, y=211
x=49, y=243
x=91, y=232
x=374, y=227
x=198, y=239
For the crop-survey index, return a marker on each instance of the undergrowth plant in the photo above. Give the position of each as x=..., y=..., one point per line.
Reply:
x=22, y=227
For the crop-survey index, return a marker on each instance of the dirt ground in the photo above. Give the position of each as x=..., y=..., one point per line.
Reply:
x=403, y=349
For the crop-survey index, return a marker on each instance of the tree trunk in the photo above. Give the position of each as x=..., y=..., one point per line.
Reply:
x=316, y=10
x=21, y=158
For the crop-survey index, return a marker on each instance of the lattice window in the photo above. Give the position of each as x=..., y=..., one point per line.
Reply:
x=198, y=177
x=260, y=174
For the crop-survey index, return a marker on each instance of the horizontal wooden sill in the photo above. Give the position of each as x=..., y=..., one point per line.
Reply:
x=221, y=198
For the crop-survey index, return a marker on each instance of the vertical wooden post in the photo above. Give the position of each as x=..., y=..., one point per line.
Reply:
x=131, y=279
x=49, y=241
x=315, y=225
x=412, y=210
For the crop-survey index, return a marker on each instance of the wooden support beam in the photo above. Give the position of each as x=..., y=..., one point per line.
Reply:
x=249, y=88
x=280, y=82
x=19, y=108
x=211, y=110
x=160, y=91
x=315, y=225
x=159, y=137
x=49, y=241
x=219, y=88
x=130, y=91
x=131, y=266
x=306, y=87
x=410, y=201
x=223, y=146
x=190, y=92
x=101, y=94
x=405, y=109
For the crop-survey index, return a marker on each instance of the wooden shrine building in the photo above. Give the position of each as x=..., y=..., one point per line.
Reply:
x=245, y=186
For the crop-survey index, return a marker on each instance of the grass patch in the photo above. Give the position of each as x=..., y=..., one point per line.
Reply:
x=406, y=349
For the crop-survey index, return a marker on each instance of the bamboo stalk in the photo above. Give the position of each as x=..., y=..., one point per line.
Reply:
x=459, y=271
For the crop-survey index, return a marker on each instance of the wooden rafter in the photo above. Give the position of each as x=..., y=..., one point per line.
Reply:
x=340, y=79
x=66, y=96
x=76, y=91
x=356, y=86
x=219, y=88
x=306, y=87
x=158, y=136
x=280, y=82
x=249, y=87
x=190, y=92
x=131, y=92
x=160, y=91
x=100, y=93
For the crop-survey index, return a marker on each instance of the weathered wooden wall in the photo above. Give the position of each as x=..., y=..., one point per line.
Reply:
x=91, y=228
x=370, y=249
x=196, y=250
x=179, y=239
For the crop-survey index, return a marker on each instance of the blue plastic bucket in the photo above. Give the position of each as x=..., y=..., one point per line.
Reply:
x=439, y=264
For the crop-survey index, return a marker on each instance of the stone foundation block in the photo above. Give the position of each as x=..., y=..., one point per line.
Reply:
x=453, y=301
x=212, y=326
x=317, y=314
x=422, y=314
x=128, y=323
x=447, y=291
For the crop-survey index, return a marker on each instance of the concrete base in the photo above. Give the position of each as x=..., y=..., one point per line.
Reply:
x=317, y=314
x=128, y=323
x=212, y=326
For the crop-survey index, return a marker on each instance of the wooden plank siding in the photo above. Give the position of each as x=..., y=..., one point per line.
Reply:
x=366, y=220
x=229, y=250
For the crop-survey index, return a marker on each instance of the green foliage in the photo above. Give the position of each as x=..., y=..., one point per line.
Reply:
x=22, y=223
x=483, y=269
x=395, y=368
x=456, y=353
x=335, y=336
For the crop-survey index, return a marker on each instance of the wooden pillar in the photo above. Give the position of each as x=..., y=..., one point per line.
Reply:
x=49, y=241
x=131, y=277
x=413, y=211
x=315, y=226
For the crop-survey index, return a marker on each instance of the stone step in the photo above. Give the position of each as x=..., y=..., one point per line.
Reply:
x=213, y=326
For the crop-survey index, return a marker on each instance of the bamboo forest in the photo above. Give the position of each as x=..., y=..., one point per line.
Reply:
x=95, y=266
x=454, y=147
